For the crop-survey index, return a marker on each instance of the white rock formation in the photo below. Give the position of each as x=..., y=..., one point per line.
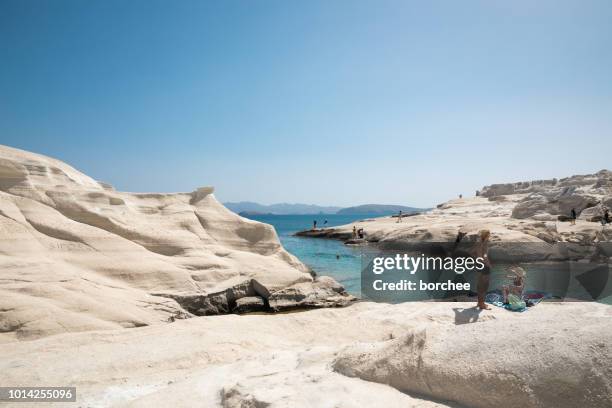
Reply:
x=526, y=212
x=76, y=255
x=556, y=197
x=560, y=360
x=365, y=355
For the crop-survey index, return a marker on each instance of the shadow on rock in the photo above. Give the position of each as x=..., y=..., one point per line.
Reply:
x=469, y=315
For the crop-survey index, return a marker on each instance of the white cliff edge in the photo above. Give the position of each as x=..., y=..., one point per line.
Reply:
x=76, y=255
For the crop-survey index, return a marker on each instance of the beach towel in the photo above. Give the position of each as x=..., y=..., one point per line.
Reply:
x=531, y=298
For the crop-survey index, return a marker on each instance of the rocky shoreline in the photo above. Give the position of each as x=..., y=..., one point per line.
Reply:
x=252, y=296
x=148, y=300
x=527, y=220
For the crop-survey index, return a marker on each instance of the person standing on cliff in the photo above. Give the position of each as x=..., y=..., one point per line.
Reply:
x=314, y=224
x=573, y=216
x=482, y=251
x=399, y=216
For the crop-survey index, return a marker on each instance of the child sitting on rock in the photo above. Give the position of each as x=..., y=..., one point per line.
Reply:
x=518, y=283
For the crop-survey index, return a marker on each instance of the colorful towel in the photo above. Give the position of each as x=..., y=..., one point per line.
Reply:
x=531, y=298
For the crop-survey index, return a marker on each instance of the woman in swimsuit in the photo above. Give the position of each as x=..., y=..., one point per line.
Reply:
x=482, y=251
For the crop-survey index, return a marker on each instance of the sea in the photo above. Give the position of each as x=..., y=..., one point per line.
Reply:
x=324, y=256
x=343, y=262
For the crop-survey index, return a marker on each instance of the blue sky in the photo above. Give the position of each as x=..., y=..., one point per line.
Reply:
x=327, y=102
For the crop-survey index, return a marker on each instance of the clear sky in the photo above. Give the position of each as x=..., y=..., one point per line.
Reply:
x=327, y=102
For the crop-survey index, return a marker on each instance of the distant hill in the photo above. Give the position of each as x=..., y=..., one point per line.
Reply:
x=281, y=208
x=252, y=213
x=379, y=209
x=251, y=208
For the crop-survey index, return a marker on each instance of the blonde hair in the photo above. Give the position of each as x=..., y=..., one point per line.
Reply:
x=518, y=271
x=484, y=234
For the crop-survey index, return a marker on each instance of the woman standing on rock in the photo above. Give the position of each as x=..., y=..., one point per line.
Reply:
x=482, y=250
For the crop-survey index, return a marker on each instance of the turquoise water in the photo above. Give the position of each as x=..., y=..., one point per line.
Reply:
x=325, y=256
x=343, y=263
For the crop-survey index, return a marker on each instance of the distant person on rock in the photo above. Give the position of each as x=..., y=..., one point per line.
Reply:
x=314, y=224
x=482, y=251
x=573, y=216
x=606, y=217
x=354, y=232
x=360, y=233
x=458, y=239
x=399, y=216
x=460, y=196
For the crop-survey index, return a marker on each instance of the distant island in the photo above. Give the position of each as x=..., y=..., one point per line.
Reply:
x=379, y=209
x=246, y=208
x=253, y=213
x=249, y=207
